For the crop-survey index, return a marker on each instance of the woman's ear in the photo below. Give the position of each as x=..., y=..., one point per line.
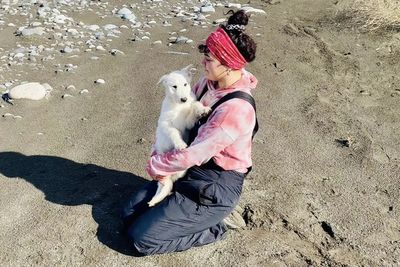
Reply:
x=188, y=72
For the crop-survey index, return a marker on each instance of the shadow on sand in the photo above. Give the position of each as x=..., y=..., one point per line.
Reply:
x=70, y=183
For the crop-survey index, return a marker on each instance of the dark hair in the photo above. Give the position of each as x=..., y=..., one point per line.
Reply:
x=244, y=43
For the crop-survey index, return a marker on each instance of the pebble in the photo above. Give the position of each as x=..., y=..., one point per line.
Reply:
x=109, y=27
x=100, y=81
x=114, y=52
x=230, y=5
x=157, y=42
x=73, y=31
x=219, y=21
x=93, y=27
x=84, y=91
x=66, y=96
x=67, y=50
x=208, y=8
x=249, y=9
x=7, y=115
x=32, y=31
x=100, y=48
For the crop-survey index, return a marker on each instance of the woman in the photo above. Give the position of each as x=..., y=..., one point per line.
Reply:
x=218, y=158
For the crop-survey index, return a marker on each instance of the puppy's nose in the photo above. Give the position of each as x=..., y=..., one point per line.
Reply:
x=183, y=99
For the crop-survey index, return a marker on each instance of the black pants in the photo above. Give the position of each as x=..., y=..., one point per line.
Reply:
x=191, y=216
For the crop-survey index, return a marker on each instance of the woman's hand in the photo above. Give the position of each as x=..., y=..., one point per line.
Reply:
x=151, y=173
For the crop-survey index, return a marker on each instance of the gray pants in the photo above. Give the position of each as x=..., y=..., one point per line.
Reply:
x=191, y=216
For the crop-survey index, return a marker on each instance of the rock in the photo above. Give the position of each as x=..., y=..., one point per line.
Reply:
x=32, y=31
x=208, y=8
x=92, y=27
x=84, y=91
x=249, y=9
x=7, y=115
x=33, y=91
x=230, y=5
x=100, y=48
x=157, y=42
x=70, y=87
x=64, y=96
x=109, y=27
x=114, y=52
x=364, y=92
x=100, y=81
x=126, y=13
x=67, y=49
x=219, y=21
x=141, y=141
x=200, y=17
x=73, y=31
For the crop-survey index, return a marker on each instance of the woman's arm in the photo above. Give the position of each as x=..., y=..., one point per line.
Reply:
x=226, y=124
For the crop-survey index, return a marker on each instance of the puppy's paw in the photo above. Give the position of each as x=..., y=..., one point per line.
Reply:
x=180, y=145
x=206, y=111
x=201, y=111
x=152, y=203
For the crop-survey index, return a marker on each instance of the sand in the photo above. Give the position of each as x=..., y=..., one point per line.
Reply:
x=324, y=190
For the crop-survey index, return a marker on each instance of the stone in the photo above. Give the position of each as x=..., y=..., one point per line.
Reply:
x=100, y=81
x=207, y=9
x=249, y=9
x=67, y=49
x=64, y=96
x=234, y=5
x=32, y=91
x=32, y=31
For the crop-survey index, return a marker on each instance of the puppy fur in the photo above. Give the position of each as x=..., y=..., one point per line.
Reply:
x=179, y=112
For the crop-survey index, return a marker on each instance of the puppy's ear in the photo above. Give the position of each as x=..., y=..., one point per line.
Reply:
x=162, y=79
x=188, y=72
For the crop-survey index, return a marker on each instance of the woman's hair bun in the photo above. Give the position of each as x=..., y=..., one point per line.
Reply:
x=235, y=29
x=238, y=18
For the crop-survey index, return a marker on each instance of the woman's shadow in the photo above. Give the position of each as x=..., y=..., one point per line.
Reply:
x=70, y=183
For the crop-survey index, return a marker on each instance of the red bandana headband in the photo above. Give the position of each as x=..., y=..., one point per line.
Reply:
x=222, y=48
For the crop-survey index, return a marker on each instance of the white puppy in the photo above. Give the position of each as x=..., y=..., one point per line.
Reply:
x=179, y=112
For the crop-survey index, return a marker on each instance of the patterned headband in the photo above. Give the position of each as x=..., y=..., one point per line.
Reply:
x=235, y=27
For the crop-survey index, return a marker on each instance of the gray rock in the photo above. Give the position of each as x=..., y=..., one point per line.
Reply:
x=207, y=9
x=32, y=31
x=67, y=49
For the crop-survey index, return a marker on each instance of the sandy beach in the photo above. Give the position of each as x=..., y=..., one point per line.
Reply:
x=325, y=185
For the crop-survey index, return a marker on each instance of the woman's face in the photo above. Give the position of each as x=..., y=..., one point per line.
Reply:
x=213, y=69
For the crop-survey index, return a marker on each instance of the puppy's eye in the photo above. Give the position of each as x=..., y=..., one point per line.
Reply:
x=175, y=86
x=185, y=84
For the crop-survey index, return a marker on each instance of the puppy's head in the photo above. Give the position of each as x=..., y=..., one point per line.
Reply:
x=177, y=85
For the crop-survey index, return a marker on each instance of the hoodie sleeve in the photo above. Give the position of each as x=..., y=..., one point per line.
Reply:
x=229, y=121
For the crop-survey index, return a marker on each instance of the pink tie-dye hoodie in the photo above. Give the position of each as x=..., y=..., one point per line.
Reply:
x=225, y=137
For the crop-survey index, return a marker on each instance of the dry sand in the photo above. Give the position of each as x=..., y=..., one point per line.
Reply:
x=324, y=190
